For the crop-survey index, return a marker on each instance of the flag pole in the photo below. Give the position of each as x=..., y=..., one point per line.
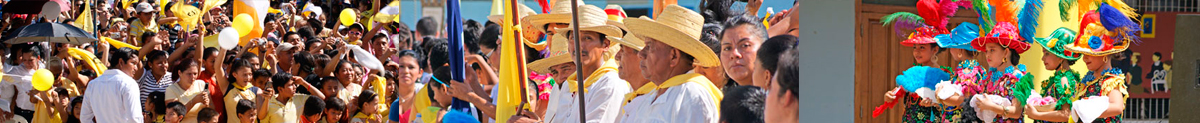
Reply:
x=578, y=65
x=456, y=60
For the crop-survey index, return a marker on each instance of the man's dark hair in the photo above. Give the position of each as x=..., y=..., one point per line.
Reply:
x=489, y=36
x=244, y=106
x=427, y=26
x=756, y=26
x=306, y=32
x=314, y=106
x=788, y=71
x=262, y=72
x=146, y=36
x=335, y=104
x=743, y=104
x=1158, y=54
x=710, y=35
x=33, y=49
x=769, y=51
x=206, y=114
x=404, y=35
x=119, y=56
x=248, y=56
x=470, y=35
x=177, y=107
x=280, y=79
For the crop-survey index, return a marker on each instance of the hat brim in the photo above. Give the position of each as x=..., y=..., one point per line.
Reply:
x=619, y=25
x=1088, y=51
x=1019, y=46
x=607, y=30
x=629, y=41
x=1061, y=53
x=644, y=27
x=964, y=46
x=918, y=40
x=543, y=65
x=539, y=21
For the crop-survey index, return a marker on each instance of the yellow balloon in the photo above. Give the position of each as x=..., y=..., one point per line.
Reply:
x=243, y=23
x=42, y=80
x=348, y=17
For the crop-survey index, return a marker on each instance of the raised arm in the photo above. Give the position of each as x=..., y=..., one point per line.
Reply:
x=332, y=65
x=219, y=72
x=311, y=89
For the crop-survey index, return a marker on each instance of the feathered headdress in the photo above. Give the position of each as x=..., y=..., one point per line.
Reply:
x=1011, y=24
x=1106, y=30
x=931, y=20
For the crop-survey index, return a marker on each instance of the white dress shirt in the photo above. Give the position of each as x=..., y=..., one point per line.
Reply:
x=112, y=98
x=636, y=107
x=604, y=99
x=685, y=103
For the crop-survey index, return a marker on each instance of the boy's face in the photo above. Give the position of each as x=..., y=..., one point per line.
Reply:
x=249, y=116
x=173, y=117
x=213, y=120
x=333, y=115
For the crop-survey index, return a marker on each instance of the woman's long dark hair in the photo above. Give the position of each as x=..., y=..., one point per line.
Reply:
x=1014, y=58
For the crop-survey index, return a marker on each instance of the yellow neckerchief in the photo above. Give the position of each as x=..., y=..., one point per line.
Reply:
x=608, y=66
x=360, y=115
x=240, y=87
x=698, y=79
x=646, y=88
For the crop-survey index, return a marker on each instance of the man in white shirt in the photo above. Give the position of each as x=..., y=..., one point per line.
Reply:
x=672, y=51
x=113, y=96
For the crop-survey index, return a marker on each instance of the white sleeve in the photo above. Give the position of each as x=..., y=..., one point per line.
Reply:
x=604, y=103
x=7, y=92
x=134, y=113
x=703, y=112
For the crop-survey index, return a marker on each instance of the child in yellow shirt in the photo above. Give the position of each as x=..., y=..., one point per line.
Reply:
x=50, y=105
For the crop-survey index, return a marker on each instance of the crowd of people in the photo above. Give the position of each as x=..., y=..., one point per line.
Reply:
x=713, y=64
x=998, y=88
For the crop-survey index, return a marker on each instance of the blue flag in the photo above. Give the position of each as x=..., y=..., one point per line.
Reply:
x=454, y=33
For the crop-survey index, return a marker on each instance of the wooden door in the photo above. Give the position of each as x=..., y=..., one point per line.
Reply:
x=879, y=58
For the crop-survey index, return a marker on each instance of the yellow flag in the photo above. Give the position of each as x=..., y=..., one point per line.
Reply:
x=189, y=16
x=84, y=21
x=512, y=66
x=88, y=58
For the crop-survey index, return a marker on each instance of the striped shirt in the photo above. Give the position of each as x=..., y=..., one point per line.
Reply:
x=147, y=84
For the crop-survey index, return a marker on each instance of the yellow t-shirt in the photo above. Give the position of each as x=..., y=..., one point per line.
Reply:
x=232, y=97
x=283, y=112
x=136, y=28
x=43, y=114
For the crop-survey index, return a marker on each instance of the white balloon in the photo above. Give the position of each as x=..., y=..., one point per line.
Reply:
x=51, y=10
x=227, y=38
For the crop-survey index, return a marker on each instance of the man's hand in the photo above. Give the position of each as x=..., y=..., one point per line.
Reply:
x=524, y=117
x=460, y=90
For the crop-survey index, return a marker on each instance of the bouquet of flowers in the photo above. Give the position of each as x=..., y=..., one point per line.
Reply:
x=1042, y=103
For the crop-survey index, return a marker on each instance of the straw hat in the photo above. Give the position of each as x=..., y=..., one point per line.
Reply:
x=616, y=14
x=592, y=18
x=522, y=11
x=630, y=41
x=677, y=27
x=561, y=13
x=557, y=54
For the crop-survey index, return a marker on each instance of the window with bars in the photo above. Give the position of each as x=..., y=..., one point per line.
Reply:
x=1165, y=5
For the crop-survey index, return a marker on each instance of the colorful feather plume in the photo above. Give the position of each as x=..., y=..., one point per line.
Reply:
x=1064, y=8
x=1023, y=88
x=1004, y=10
x=1116, y=21
x=1124, y=8
x=1028, y=19
x=933, y=13
x=901, y=21
x=985, y=17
